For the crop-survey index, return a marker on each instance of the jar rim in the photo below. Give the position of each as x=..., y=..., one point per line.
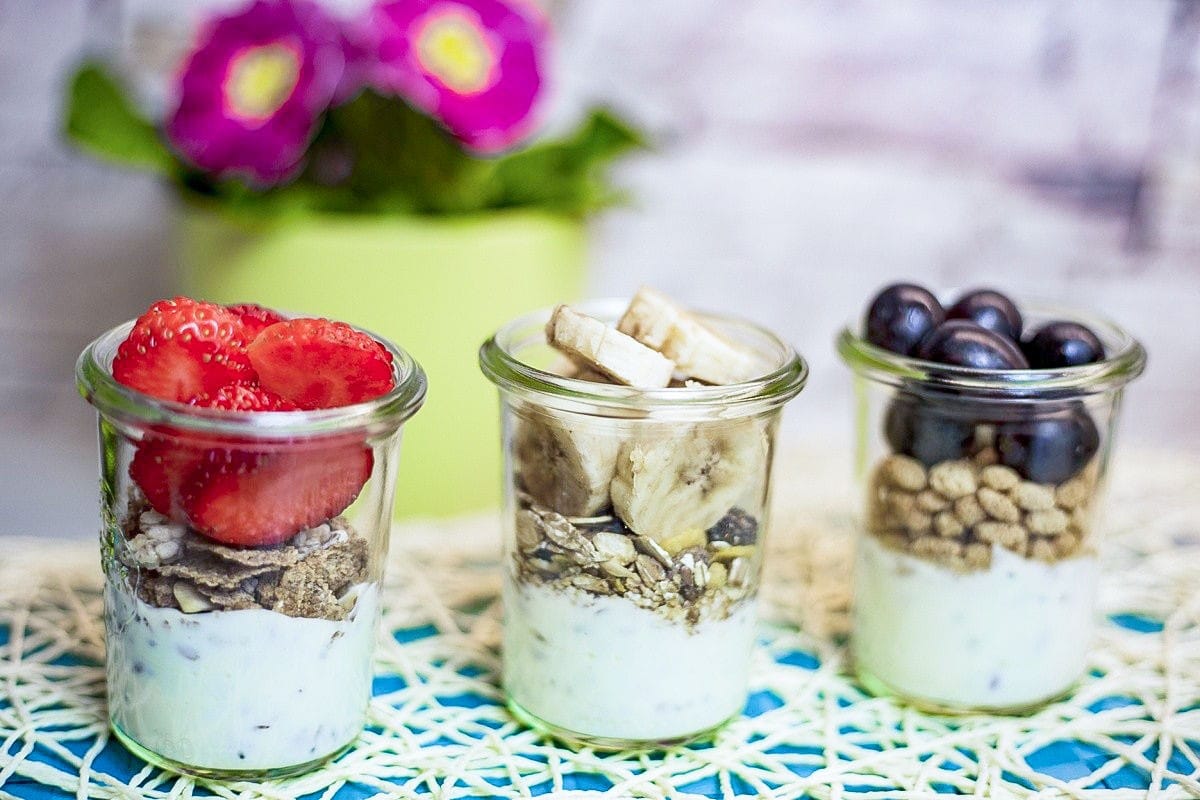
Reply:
x=501, y=365
x=114, y=400
x=1125, y=361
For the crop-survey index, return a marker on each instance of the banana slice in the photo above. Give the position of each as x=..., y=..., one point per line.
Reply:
x=698, y=351
x=567, y=367
x=564, y=466
x=586, y=373
x=669, y=484
x=593, y=344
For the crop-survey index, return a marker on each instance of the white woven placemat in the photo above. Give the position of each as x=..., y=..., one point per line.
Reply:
x=1131, y=730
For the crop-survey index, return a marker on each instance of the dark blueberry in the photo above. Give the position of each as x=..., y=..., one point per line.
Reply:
x=901, y=316
x=927, y=431
x=544, y=551
x=962, y=343
x=989, y=309
x=736, y=528
x=1049, y=447
x=689, y=590
x=1063, y=344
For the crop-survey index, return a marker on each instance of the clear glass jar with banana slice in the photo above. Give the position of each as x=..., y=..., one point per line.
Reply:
x=638, y=440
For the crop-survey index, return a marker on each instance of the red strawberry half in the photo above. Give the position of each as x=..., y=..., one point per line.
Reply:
x=181, y=348
x=161, y=467
x=258, y=498
x=316, y=363
x=243, y=396
x=255, y=318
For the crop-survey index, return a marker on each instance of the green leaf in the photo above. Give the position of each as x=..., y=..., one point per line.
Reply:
x=401, y=160
x=405, y=162
x=102, y=120
x=569, y=175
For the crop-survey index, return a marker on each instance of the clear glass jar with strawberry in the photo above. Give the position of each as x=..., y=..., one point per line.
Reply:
x=247, y=474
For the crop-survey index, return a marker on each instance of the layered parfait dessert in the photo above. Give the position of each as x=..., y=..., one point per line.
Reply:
x=245, y=527
x=976, y=578
x=638, y=487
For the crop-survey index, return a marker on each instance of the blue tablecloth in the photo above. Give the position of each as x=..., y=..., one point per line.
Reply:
x=438, y=727
x=1063, y=760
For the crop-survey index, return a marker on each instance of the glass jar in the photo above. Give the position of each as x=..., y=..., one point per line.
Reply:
x=228, y=656
x=633, y=543
x=976, y=570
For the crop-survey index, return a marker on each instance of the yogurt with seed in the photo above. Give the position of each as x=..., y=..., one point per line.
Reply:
x=1014, y=634
x=238, y=689
x=604, y=667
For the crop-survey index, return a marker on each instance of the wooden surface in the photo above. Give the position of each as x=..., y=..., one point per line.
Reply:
x=807, y=152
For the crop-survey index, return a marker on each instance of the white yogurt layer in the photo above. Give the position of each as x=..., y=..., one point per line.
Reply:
x=240, y=690
x=1011, y=635
x=601, y=666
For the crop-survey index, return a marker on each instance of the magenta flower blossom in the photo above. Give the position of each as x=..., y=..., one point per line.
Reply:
x=253, y=88
x=358, y=43
x=475, y=65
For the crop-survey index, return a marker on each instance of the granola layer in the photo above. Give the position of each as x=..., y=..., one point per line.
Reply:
x=310, y=575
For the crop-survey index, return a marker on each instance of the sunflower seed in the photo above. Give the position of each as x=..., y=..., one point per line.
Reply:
x=190, y=601
x=739, y=572
x=615, y=546
x=651, y=548
x=650, y=569
x=590, y=583
x=616, y=569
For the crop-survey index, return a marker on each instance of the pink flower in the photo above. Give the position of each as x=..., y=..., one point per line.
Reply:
x=253, y=88
x=475, y=65
x=358, y=43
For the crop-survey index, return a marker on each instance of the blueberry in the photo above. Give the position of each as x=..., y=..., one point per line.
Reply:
x=989, y=309
x=901, y=315
x=964, y=344
x=927, y=431
x=1049, y=446
x=736, y=528
x=1063, y=344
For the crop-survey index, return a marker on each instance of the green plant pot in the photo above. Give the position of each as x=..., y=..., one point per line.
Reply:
x=438, y=286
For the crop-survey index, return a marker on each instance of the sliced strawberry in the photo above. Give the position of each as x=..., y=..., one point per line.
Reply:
x=255, y=498
x=255, y=318
x=181, y=348
x=161, y=467
x=242, y=396
x=316, y=363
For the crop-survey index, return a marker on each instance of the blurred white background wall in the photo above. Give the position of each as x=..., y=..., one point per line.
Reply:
x=807, y=151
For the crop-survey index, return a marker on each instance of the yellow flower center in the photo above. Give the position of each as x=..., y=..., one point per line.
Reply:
x=260, y=80
x=452, y=47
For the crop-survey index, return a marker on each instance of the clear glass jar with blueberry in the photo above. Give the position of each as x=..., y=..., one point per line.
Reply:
x=985, y=428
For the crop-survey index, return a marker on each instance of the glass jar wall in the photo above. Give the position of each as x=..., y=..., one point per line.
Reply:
x=976, y=568
x=239, y=638
x=634, y=529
